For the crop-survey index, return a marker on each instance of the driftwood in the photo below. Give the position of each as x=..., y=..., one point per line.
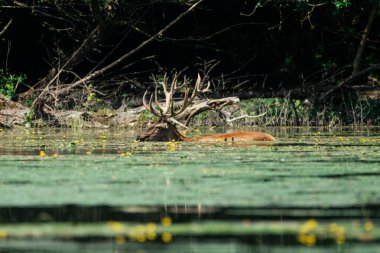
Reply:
x=130, y=117
x=11, y=113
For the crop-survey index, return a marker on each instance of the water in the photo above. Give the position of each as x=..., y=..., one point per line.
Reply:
x=316, y=190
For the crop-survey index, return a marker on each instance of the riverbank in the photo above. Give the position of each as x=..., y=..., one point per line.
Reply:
x=274, y=111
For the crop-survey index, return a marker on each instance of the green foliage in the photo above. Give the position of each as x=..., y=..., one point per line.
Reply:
x=340, y=4
x=9, y=82
x=145, y=117
x=291, y=112
x=29, y=101
x=92, y=97
x=360, y=111
x=29, y=117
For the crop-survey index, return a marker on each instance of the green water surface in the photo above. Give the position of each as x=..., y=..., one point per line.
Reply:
x=221, y=197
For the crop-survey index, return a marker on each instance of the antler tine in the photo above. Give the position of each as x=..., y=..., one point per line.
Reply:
x=185, y=81
x=207, y=89
x=186, y=97
x=170, y=99
x=144, y=101
x=158, y=104
x=160, y=108
x=152, y=110
x=167, y=94
x=149, y=107
x=164, y=81
x=185, y=103
x=196, y=89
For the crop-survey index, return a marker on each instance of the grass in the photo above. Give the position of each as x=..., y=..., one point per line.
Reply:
x=292, y=112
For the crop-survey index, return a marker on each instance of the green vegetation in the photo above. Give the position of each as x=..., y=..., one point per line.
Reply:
x=342, y=3
x=294, y=112
x=9, y=83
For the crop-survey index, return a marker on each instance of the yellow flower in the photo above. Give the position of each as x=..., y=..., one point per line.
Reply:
x=170, y=143
x=340, y=239
x=166, y=221
x=116, y=226
x=338, y=232
x=151, y=226
x=312, y=224
x=306, y=235
x=368, y=226
x=120, y=240
x=3, y=235
x=166, y=237
x=306, y=239
x=42, y=153
x=140, y=233
x=151, y=234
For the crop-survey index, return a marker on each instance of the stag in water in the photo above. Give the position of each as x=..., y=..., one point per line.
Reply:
x=169, y=115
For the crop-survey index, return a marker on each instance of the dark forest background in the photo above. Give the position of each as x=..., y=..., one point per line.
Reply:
x=65, y=53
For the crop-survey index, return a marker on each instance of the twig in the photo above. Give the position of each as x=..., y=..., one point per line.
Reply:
x=6, y=27
x=63, y=67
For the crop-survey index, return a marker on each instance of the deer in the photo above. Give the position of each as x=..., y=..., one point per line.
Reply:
x=169, y=115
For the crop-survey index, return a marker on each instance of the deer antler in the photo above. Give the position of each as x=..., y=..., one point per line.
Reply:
x=169, y=110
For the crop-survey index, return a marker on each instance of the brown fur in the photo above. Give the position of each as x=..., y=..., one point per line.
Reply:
x=236, y=136
x=168, y=132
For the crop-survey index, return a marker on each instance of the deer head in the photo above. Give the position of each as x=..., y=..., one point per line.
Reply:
x=169, y=114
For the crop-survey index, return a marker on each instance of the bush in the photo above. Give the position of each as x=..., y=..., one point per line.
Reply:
x=9, y=84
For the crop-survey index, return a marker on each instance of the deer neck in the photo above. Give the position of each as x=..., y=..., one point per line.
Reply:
x=179, y=136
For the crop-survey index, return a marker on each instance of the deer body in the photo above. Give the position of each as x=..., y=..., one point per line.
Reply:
x=168, y=132
x=235, y=136
x=165, y=128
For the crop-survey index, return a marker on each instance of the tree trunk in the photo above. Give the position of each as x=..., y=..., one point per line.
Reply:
x=363, y=42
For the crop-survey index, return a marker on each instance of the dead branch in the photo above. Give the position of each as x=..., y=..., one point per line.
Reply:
x=6, y=27
x=205, y=105
x=349, y=80
x=229, y=119
x=138, y=48
x=58, y=72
